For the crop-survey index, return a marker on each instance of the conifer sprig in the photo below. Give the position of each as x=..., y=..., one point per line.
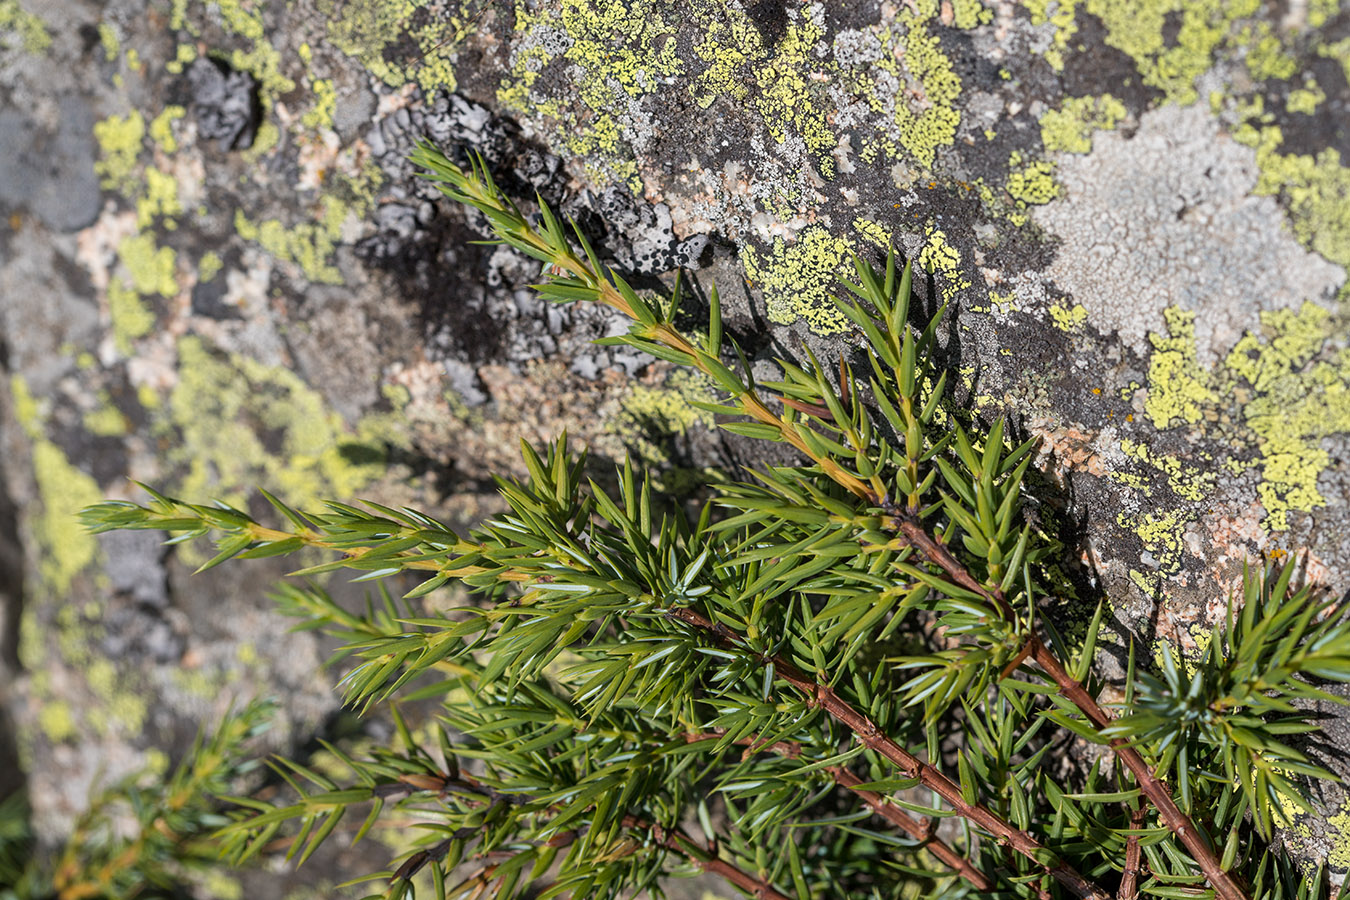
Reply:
x=983, y=505
x=604, y=633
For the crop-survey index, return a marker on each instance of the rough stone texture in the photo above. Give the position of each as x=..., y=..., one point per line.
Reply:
x=217, y=270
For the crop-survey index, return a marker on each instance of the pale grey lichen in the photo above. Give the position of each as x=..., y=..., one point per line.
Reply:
x=1167, y=218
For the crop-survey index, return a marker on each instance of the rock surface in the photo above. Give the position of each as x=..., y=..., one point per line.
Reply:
x=218, y=271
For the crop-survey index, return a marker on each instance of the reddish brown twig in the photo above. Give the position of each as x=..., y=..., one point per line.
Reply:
x=873, y=738
x=1129, y=879
x=708, y=862
x=1152, y=787
x=920, y=831
x=876, y=802
x=676, y=843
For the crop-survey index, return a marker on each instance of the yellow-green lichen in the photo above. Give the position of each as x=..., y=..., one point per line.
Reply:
x=1161, y=534
x=1300, y=400
x=1339, y=51
x=1003, y=302
x=366, y=29
x=1267, y=57
x=320, y=115
x=160, y=200
x=1070, y=127
x=262, y=60
x=1131, y=480
x=938, y=257
x=105, y=420
x=1315, y=189
x=57, y=721
x=1068, y=318
x=967, y=14
x=27, y=410
x=620, y=51
x=923, y=120
x=363, y=28
x=186, y=53
x=1202, y=26
x=874, y=233
x=209, y=266
x=107, y=38
x=119, y=140
x=152, y=268
x=242, y=423
x=651, y=414
x=1060, y=15
x=310, y=245
x=161, y=128
x=130, y=317
x=1178, y=387
x=1188, y=482
x=216, y=883
x=1031, y=183
x=64, y=490
x=119, y=708
x=1291, y=390
x=1339, y=824
x=1305, y=99
x=28, y=28
x=796, y=278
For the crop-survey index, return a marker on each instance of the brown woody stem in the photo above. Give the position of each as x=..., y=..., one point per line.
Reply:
x=756, y=887
x=1129, y=879
x=1152, y=787
x=1158, y=793
x=914, y=828
x=877, y=803
x=874, y=739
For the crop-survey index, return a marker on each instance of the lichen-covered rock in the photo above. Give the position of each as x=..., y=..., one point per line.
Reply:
x=219, y=271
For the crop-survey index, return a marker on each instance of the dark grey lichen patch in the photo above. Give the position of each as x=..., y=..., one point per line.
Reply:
x=224, y=103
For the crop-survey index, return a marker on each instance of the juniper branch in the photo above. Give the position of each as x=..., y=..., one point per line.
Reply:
x=677, y=842
x=1129, y=879
x=919, y=831
x=867, y=732
x=1153, y=787
x=875, y=801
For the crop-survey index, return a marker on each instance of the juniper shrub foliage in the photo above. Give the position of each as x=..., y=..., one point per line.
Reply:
x=633, y=693
x=150, y=834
